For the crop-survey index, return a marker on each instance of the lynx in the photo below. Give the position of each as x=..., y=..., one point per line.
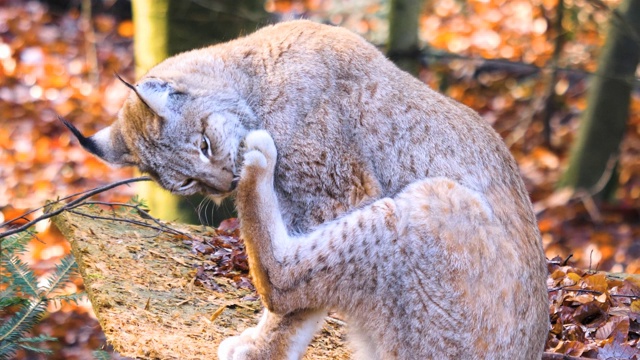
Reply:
x=359, y=190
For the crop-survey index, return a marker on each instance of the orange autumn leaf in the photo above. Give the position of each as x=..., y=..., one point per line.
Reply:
x=126, y=29
x=596, y=282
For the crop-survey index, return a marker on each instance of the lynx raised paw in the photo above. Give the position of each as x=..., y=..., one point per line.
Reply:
x=260, y=150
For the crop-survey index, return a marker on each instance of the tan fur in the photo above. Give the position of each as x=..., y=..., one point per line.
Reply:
x=388, y=202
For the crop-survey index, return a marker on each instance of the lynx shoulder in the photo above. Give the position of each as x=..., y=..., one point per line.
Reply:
x=365, y=192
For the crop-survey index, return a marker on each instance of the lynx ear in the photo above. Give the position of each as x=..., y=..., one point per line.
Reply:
x=155, y=93
x=158, y=95
x=106, y=144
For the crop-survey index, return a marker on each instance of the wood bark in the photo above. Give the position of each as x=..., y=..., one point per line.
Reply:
x=604, y=121
x=403, y=45
x=143, y=287
x=551, y=101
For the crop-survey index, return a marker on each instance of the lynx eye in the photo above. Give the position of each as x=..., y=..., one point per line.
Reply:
x=205, y=146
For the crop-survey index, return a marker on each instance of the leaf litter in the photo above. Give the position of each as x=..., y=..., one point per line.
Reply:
x=593, y=314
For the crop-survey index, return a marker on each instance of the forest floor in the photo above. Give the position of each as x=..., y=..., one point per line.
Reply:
x=47, y=68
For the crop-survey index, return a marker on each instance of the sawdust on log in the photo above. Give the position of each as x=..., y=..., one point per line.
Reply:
x=141, y=283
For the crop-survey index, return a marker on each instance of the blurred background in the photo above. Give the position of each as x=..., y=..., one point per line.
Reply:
x=557, y=79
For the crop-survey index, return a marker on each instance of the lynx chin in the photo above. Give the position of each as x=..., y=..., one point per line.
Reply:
x=359, y=190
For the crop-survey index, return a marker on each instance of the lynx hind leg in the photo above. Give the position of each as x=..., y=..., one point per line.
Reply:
x=242, y=346
x=260, y=151
x=275, y=337
x=363, y=346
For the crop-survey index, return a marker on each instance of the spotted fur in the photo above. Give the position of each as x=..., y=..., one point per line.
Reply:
x=369, y=194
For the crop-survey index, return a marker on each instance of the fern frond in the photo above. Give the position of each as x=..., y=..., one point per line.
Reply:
x=8, y=292
x=26, y=343
x=141, y=203
x=7, y=301
x=61, y=275
x=91, y=206
x=74, y=298
x=17, y=244
x=22, y=322
x=22, y=290
x=38, y=339
x=8, y=350
x=101, y=355
x=35, y=349
x=21, y=276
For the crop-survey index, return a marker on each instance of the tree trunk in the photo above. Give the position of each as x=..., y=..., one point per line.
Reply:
x=167, y=27
x=551, y=101
x=604, y=121
x=403, y=45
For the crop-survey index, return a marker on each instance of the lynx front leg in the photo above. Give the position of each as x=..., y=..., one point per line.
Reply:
x=292, y=273
x=275, y=337
x=261, y=224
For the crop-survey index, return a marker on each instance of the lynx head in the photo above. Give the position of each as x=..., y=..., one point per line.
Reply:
x=185, y=138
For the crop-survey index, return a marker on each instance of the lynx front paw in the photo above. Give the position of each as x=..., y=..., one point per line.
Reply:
x=261, y=151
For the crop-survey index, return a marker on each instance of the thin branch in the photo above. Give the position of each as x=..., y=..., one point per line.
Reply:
x=564, y=263
x=560, y=262
x=605, y=177
x=443, y=55
x=142, y=212
x=526, y=118
x=106, y=187
x=85, y=195
x=625, y=296
x=576, y=290
x=161, y=227
x=566, y=196
x=556, y=356
x=111, y=204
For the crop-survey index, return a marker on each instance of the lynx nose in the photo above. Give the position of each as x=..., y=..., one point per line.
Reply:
x=234, y=183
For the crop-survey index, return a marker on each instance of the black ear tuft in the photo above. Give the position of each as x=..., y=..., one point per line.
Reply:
x=125, y=82
x=135, y=91
x=87, y=143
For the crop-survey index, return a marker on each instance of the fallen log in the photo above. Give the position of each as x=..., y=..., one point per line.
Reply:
x=141, y=283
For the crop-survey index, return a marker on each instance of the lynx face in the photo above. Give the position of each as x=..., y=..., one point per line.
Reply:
x=186, y=140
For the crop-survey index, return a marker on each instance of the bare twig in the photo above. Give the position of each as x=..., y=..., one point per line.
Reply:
x=92, y=191
x=526, y=118
x=587, y=195
x=564, y=263
x=568, y=288
x=520, y=66
x=625, y=296
x=556, y=356
x=566, y=196
x=70, y=205
x=160, y=226
x=605, y=177
x=335, y=321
